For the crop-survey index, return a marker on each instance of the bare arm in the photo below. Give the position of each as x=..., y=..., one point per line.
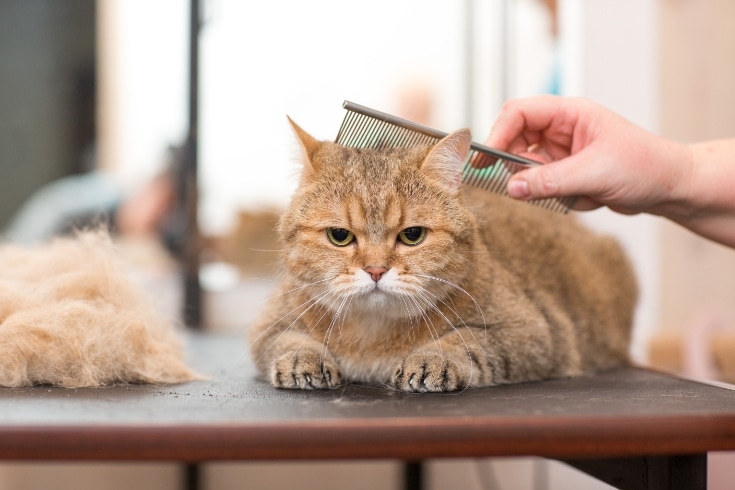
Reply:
x=709, y=203
x=608, y=161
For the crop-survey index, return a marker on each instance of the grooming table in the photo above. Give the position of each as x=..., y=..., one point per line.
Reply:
x=632, y=428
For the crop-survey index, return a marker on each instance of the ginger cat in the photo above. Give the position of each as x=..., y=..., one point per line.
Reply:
x=397, y=275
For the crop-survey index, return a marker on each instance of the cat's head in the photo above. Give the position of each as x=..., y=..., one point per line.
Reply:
x=379, y=230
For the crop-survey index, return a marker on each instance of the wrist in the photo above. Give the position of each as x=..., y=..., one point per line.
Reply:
x=710, y=187
x=668, y=175
x=704, y=201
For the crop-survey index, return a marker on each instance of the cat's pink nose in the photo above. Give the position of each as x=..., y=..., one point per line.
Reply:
x=376, y=272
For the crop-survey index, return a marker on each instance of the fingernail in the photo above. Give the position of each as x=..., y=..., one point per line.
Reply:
x=518, y=189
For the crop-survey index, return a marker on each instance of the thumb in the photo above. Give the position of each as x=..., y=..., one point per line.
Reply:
x=561, y=178
x=535, y=183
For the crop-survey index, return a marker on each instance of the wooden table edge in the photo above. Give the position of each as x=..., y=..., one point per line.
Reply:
x=407, y=439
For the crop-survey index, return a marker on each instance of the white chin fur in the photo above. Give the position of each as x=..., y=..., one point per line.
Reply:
x=388, y=299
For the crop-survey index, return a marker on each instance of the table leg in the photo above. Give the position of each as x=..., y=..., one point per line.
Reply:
x=687, y=472
x=192, y=476
x=413, y=475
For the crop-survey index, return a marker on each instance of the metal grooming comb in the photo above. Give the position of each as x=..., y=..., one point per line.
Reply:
x=485, y=167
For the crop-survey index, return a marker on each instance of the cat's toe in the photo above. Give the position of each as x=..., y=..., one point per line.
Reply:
x=306, y=371
x=427, y=372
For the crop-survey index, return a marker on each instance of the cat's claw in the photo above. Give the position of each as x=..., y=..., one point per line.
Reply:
x=422, y=372
x=306, y=371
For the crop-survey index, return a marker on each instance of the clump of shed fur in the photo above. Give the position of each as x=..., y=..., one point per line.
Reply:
x=70, y=316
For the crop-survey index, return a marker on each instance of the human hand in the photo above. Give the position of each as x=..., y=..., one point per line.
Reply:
x=591, y=153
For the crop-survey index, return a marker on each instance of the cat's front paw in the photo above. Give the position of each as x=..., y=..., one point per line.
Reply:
x=306, y=370
x=428, y=371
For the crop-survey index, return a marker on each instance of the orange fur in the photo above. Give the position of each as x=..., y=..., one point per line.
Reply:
x=70, y=317
x=497, y=292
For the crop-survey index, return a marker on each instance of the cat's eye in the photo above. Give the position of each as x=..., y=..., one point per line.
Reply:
x=413, y=235
x=340, y=236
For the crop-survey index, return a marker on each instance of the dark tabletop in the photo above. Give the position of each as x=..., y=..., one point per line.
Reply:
x=235, y=416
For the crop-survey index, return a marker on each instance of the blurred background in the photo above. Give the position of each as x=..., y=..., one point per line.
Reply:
x=94, y=104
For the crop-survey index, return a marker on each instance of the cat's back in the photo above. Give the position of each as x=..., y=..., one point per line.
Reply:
x=500, y=217
x=550, y=251
x=566, y=269
x=527, y=234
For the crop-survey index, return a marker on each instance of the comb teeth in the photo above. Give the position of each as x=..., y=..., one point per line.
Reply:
x=485, y=168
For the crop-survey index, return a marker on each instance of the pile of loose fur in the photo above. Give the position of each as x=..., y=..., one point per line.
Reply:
x=69, y=316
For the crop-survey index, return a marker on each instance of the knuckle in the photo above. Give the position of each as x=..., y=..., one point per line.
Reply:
x=547, y=183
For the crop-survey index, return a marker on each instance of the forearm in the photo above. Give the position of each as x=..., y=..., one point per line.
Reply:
x=707, y=202
x=605, y=160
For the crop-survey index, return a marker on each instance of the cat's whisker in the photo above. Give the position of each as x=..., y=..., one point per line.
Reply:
x=429, y=324
x=459, y=288
x=470, y=357
x=339, y=318
x=316, y=296
x=283, y=293
x=424, y=293
x=451, y=308
x=330, y=328
x=242, y=323
x=344, y=317
x=434, y=307
x=311, y=302
x=326, y=309
x=299, y=288
x=412, y=320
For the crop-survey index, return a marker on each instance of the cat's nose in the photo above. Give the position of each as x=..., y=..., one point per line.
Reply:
x=376, y=272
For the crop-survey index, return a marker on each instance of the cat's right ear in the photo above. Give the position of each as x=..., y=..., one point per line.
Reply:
x=445, y=160
x=309, y=145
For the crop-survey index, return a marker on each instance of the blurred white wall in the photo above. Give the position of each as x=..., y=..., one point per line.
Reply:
x=142, y=69
x=266, y=60
x=259, y=62
x=610, y=53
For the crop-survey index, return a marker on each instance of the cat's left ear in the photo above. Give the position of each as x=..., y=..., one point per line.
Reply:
x=309, y=145
x=445, y=160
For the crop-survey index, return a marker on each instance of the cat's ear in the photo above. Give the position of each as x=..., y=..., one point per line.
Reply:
x=445, y=160
x=309, y=145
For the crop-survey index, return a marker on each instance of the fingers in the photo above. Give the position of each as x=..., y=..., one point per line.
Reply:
x=568, y=177
x=558, y=132
x=508, y=132
x=521, y=122
x=540, y=128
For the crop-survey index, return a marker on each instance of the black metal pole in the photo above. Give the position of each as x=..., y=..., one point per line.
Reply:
x=413, y=472
x=192, y=477
x=192, y=304
x=192, y=313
